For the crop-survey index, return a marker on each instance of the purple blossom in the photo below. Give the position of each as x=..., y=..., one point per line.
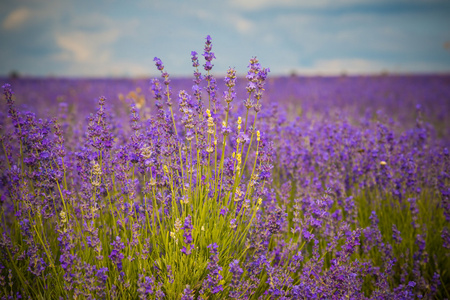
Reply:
x=396, y=235
x=188, y=230
x=158, y=63
x=214, y=276
x=209, y=56
x=224, y=211
x=187, y=293
x=194, y=59
x=116, y=256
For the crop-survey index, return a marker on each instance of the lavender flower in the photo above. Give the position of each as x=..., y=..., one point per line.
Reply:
x=396, y=235
x=209, y=56
x=187, y=293
x=212, y=282
x=116, y=256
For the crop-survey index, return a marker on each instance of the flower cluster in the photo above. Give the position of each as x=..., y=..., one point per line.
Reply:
x=271, y=189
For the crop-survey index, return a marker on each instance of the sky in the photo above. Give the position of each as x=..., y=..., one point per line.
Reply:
x=318, y=37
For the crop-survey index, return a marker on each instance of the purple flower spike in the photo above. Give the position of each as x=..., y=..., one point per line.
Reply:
x=116, y=256
x=188, y=230
x=194, y=59
x=209, y=56
x=187, y=250
x=187, y=293
x=396, y=235
x=158, y=63
x=214, y=276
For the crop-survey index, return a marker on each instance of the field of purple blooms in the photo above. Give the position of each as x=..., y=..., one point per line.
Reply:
x=225, y=187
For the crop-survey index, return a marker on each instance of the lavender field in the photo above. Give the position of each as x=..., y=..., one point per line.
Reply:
x=241, y=186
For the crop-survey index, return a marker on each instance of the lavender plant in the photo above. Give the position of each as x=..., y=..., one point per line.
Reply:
x=209, y=196
x=135, y=214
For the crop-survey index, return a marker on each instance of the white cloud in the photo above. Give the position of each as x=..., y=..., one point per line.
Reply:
x=263, y=4
x=351, y=66
x=241, y=24
x=356, y=34
x=108, y=68
x=88, y=39
x=260, y=4
x=317, y=4
x=86, y=47
x=355, y=66
x=16, y=18
x=227, y=19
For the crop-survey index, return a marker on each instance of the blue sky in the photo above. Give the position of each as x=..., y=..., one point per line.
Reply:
x=121, y=38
